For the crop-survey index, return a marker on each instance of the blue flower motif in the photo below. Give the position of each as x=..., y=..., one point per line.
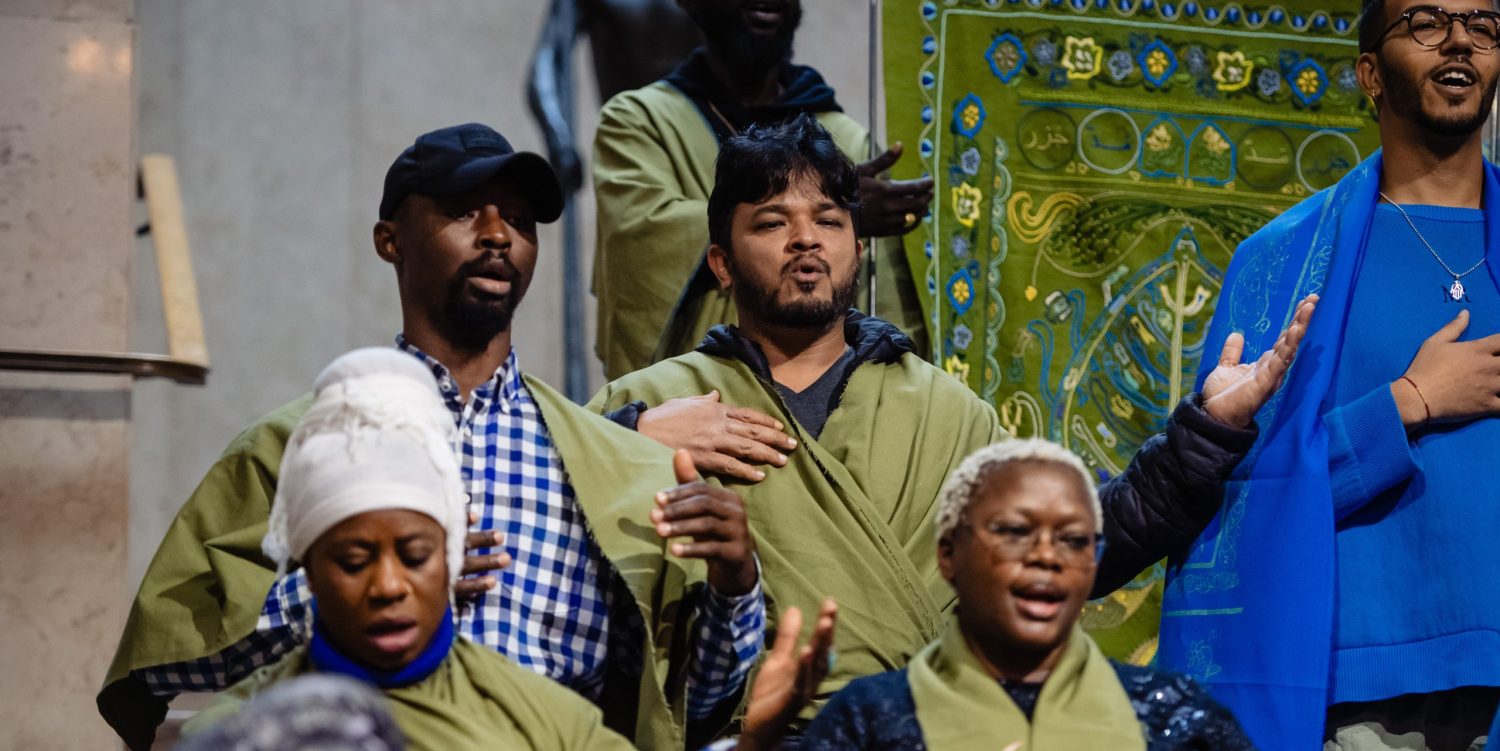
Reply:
x=1157, y=62
x=1006, y=56
x=969, y=161
x=1308, y=81
x=962, y=336
x=1045, y=51
x=1268, y=82
x=961, y=291
x=1197, y=60
x=1120, y=65
x=968, y=115
x=961, y=246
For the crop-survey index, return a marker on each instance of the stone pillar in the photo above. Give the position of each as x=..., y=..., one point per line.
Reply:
x=67, y=179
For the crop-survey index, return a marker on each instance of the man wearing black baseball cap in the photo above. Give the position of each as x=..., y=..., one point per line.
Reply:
x=583, y=587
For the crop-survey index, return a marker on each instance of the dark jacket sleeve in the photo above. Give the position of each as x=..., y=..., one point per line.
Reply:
x=1172, y=489
x=627, y=416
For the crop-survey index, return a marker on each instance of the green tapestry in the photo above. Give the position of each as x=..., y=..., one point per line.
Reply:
x=1096, y=163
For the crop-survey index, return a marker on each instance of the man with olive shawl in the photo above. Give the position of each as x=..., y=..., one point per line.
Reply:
x=848, y=512
x=595, y=598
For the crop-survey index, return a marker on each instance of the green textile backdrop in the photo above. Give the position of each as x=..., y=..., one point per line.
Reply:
x=1096, y=163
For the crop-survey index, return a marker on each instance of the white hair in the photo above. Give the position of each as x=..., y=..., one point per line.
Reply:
x=965, y=482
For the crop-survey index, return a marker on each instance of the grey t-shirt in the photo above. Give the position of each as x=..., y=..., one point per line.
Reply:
x=812, y=405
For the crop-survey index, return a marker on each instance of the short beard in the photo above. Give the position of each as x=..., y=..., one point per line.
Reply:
x=746, y=51
x=473, y=324
x=1408, y=92
x=760, y=303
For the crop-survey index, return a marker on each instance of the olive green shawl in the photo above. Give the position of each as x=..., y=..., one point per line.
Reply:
x=475, y=700
x=851, y=514
x=960, y=707
x=653, y=172
x=204, y=589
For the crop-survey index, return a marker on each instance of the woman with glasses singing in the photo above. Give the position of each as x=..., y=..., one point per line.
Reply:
x=1018, y=538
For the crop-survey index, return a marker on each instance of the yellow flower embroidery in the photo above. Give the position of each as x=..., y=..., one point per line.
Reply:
x=966, y=204
x=961, y=292
x=1309, y=82
x=956, y=368
x=1082, y=57
x=1159, y=139
x=970, y=115
x=1157, y=63
x=1215, y=141
x=1233, y=71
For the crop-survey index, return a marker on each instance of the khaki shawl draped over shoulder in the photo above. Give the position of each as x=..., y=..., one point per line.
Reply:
x=653, y=172
x=475, y=700
x=204, y=590
x=852, y=513
x=960, y=707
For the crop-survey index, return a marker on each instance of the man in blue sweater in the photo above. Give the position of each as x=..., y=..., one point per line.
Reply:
x=1364, y=602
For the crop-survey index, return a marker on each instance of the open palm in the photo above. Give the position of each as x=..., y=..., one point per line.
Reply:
x=788, y=679
x=1235, y=391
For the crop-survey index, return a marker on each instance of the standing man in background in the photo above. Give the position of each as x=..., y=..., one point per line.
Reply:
x=653, y=168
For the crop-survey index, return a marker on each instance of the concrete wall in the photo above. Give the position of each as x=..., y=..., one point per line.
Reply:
x=283, y=116
x=66, y=187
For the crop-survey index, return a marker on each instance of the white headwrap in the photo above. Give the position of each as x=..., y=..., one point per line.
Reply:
x=377, y=437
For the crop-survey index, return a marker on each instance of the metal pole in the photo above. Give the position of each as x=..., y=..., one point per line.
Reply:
x=874, y=150
x=575, y=351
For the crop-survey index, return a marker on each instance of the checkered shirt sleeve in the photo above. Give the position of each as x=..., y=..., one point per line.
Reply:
x=730, y=633
x=283, y=624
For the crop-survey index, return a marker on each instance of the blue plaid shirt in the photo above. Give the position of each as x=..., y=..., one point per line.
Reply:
x=554, y=609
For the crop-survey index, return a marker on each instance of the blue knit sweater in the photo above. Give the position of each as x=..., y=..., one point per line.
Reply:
x=1418, y=587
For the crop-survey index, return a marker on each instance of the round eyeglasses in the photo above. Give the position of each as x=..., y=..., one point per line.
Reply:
x=1013, y=542
x=1430, y=27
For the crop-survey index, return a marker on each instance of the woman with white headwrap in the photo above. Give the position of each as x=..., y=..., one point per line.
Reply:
x=371, y=504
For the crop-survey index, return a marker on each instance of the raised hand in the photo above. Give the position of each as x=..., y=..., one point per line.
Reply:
x=472, y=588
x=890, y=207
x=720, y=438
x=1452, y=380
x=788, y=678
x=715, y=520
x=1235, y=391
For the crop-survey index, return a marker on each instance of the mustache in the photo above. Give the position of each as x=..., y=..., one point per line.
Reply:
x=488, y=266
x=792, y=265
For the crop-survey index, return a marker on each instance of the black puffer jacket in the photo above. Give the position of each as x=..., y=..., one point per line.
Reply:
x=1169, y=493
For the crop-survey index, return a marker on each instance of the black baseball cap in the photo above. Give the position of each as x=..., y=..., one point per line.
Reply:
x=461, y=158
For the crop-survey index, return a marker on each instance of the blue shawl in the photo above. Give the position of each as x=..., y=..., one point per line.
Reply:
x=1248, y=609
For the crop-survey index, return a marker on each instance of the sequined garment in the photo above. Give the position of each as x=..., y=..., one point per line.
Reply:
x=878, y=713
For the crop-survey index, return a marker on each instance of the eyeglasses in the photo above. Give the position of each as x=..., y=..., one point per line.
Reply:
x=1013, y=542
x=1430, y=27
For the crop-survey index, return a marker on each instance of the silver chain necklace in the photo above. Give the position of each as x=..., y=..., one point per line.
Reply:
x=1456, y=290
